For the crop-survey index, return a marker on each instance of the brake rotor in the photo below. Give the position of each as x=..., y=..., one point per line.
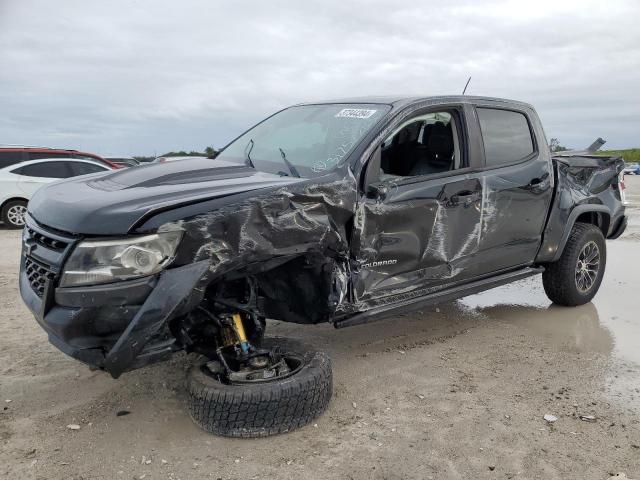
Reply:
x=271, y=371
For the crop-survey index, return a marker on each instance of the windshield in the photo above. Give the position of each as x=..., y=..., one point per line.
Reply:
x=312, y=139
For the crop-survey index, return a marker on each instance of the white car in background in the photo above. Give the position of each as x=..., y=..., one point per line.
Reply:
x=19, y=182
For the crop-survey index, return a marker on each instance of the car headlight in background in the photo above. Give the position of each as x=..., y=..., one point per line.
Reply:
x=103, y=261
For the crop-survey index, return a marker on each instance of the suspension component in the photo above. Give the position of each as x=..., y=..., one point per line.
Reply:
x=239, y=361
x=242, y=336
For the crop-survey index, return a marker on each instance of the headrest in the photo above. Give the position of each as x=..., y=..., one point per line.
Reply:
x=409, y=133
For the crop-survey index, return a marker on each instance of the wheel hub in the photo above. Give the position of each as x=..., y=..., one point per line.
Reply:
x=587, y=267
x=16, y=215
x=265, y=367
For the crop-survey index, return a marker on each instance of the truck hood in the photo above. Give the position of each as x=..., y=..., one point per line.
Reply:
x=111, y=203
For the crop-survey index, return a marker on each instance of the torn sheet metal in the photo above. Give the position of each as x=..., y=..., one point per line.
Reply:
x=295, y=241
x=173, y=287
x=583, y=184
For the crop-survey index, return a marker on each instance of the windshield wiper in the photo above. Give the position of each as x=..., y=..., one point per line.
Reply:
x=247, y=154
x=289, y=165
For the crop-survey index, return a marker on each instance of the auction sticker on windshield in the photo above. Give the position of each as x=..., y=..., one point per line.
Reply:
x=355, y=113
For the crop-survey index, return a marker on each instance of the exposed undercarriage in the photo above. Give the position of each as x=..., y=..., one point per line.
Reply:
x=229, y=325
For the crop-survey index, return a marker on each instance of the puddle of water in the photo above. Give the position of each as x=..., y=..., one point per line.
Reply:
x=609, y=324
x=619, y=297
x=576, y=329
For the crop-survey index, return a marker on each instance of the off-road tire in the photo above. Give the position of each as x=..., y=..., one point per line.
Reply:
x=6, y=209
x=261, y=409
x=559, y=278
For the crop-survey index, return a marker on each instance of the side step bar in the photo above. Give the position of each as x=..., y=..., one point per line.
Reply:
x=453, y=293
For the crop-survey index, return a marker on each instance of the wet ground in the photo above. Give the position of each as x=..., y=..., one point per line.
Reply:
x=458, y=391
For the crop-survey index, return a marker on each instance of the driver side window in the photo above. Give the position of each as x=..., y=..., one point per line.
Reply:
x=423, y=145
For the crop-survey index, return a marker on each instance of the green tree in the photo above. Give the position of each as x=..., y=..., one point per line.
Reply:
x=211, y=152
x=182, y=153
x=554, y=145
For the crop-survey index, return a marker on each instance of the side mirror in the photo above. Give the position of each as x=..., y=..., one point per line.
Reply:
x=377, y=190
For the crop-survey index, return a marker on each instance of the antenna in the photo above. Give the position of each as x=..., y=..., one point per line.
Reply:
x=466, y=85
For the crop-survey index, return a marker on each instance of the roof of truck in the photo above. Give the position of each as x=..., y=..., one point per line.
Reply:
x=401, y=100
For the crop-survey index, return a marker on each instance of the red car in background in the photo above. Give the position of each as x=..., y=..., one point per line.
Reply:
x=12, y=154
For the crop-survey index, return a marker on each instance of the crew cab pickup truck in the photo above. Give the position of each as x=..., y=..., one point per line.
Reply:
x=342, y=212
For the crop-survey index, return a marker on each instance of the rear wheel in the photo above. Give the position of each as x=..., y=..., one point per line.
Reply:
x=274, y=395
x=13, y=213
x=576, y=277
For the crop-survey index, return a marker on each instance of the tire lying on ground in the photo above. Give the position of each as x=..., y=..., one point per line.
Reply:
x=265, y=408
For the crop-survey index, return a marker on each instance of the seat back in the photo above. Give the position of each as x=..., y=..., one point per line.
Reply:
x=435, y=155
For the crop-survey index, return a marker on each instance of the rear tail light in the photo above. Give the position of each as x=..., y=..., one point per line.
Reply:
x=621, y=187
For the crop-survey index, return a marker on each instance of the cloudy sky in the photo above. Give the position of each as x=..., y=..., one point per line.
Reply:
x=142, y=77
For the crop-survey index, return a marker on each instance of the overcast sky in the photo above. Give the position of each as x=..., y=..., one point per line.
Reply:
x=143, y=77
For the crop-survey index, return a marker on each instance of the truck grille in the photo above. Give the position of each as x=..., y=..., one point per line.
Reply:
x=46, y=241
x=44, y=253
x=37, y=274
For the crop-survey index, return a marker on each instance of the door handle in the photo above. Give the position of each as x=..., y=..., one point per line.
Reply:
x=464, y=197
x=538, y=184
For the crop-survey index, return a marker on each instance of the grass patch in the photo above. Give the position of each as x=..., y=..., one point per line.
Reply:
x=630, y=155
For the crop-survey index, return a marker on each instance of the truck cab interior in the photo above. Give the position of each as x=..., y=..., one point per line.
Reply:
x=424, y=145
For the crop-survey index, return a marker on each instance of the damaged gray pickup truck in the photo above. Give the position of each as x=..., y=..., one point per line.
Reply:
x=340, y=212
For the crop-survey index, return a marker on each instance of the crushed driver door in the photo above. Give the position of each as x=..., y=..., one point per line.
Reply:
x=416, y=237
x=419, y=231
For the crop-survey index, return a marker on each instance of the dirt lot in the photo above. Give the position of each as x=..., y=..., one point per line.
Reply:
x=457, y=391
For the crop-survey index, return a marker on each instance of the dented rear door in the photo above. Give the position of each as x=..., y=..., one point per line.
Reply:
x=517, y=186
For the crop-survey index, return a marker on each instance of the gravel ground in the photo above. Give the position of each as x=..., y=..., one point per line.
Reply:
x=458, y=391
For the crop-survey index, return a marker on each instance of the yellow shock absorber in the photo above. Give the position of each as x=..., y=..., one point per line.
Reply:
x=242, y=336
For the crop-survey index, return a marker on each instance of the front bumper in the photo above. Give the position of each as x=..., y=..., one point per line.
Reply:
x=115, y=327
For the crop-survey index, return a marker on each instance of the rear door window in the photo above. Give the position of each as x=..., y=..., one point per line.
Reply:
x=82, y=168
x=506, y=135
x=45, y=170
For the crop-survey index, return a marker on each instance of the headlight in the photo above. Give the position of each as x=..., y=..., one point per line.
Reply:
x=104, y=261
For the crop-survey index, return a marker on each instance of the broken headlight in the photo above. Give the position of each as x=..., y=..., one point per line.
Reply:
x=103, y=261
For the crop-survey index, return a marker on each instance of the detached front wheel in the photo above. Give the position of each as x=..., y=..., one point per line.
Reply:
x=275, y=397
